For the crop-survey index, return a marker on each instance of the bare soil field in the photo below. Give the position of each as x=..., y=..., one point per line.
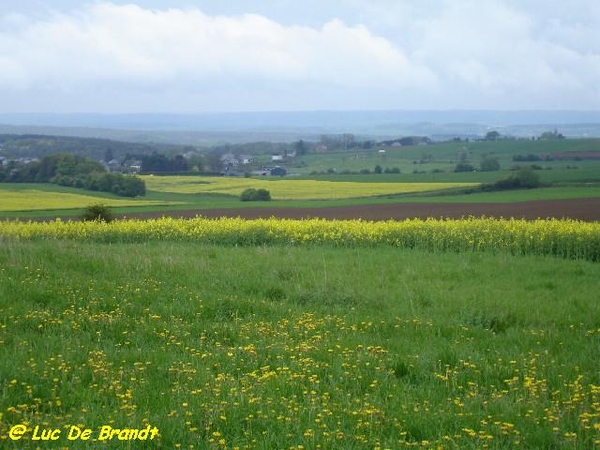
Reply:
x=581, y=209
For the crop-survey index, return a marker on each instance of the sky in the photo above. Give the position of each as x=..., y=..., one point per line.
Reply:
x=190, y=56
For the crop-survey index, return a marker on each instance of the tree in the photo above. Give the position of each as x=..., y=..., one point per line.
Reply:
x=300, y=148
x=196, y=162
x=527, y=178
x=255, y=195
x=492, y=136
x=47, y=167
x=213, y=161
x=490, y=164
x=551, y=135
x=464, y=167
x=97, y=212
x=348, y=139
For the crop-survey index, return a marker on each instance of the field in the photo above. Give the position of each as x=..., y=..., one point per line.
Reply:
x=319, y=180
x=24, y=198
x=466, y=333
x=241, y=340
x=290, y=189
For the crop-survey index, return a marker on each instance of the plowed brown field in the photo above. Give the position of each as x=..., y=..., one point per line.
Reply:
x=582, y=209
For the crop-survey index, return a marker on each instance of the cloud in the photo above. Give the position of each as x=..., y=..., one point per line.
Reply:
x=131, y=44
x=362, y=54
x=503, y=53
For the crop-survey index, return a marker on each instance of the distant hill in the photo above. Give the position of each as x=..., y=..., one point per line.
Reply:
x=37, y=145
x=210, y=129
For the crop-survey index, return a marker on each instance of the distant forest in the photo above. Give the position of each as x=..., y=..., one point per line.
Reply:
x=37, y=146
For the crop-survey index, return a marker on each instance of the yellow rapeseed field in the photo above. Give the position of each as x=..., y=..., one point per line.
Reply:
x=33, y=199
x=564, y=238
x=288, y=189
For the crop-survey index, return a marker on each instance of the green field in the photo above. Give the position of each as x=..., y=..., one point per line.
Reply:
x=302, y=347
x=312, y=334
x=45, y=197
x=427, y=175
x=292, y=189
x=418, y=162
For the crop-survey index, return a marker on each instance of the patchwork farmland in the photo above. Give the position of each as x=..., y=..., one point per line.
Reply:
x=442, y=331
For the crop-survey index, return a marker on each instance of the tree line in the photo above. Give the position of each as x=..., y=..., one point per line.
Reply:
x=70, y=170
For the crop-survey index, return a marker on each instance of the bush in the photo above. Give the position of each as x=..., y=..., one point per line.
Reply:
x=464, y=167
x=527, y=178
x=255, y=195
x=97, y=212
x=490, y=165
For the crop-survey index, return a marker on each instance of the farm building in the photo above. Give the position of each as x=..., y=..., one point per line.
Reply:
x=278, y=172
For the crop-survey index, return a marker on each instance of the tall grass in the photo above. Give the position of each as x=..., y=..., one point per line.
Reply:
x=298, y=347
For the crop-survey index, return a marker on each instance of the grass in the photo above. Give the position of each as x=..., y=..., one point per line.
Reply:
x=524, y=195
x=427, y=176
x=289, y=189
x=444, y=156
x=304, y=347
x=45, y=197
x=165, y=201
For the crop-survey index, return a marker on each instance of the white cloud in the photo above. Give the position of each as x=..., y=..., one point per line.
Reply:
x=107, y=42
x=500, y=52
x=352, y=54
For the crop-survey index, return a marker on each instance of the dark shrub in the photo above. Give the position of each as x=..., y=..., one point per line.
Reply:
x=255, y=195
x=97, y=212
x=527, y=178
x=464, y=167
x=490, y=165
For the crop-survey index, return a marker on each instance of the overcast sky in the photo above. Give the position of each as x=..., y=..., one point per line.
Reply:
x=284, y=55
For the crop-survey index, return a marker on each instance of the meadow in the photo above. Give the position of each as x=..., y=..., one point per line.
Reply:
x=28, y=197
x=320, y=179
x=45, y=200
x=303, y=334
x=291, y=189
x=248, y=341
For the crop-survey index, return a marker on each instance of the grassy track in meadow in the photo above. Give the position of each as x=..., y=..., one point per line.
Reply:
x=266, y=347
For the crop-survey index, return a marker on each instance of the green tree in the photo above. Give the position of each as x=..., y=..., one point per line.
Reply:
x=464, y=167
x=490, y=164
x=255, y=195
x=551, y=135
x=492, y=136
x=301, y=148
x=527, y=178
x=97, y=212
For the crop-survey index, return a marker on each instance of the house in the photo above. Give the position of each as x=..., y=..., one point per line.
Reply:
x=276, y=158
x=113, y=165
x=229, y=159
x=135, y=168
x=278, y=171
